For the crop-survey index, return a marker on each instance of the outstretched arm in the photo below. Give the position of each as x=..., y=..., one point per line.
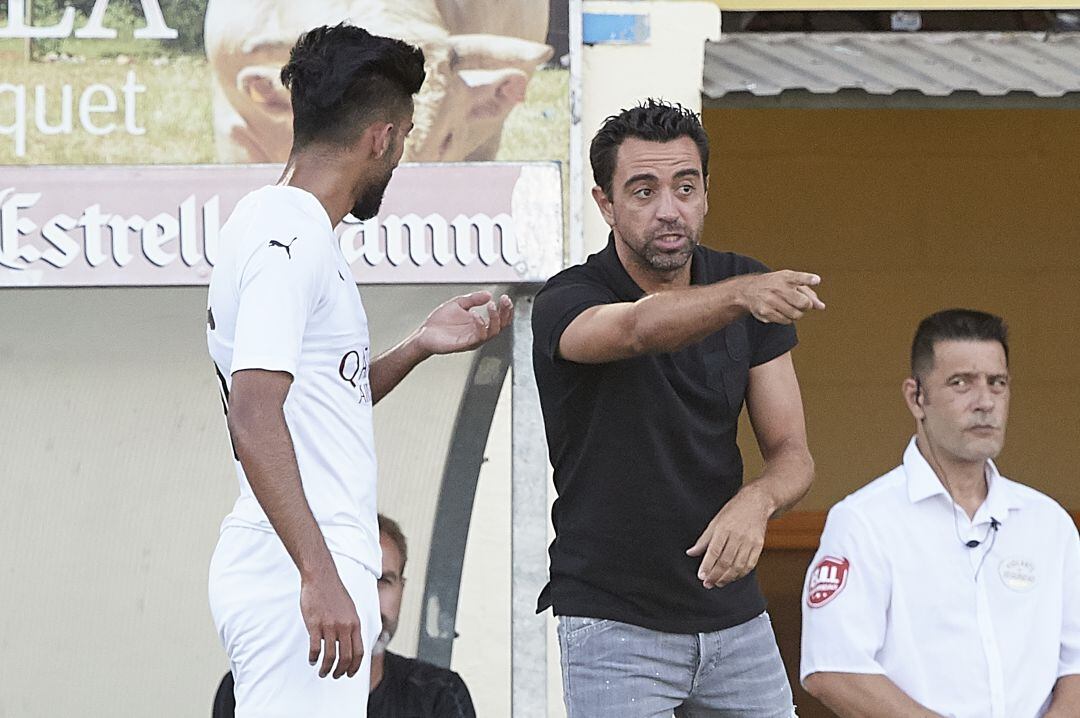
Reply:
x=670, y=320
x=456, y=325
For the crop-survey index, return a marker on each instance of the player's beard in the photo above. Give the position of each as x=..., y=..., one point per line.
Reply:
x=367, y=206
x=665, y=261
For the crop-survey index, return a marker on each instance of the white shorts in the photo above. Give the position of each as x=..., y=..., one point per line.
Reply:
x=255, y=601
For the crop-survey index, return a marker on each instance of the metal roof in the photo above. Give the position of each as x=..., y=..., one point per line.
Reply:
x=934, y=64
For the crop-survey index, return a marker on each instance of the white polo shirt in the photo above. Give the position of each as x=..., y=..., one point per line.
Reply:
x=282, y=298
x=893, y=591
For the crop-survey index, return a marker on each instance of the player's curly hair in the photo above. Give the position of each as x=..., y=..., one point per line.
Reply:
x=653, y=120
x=343, y=78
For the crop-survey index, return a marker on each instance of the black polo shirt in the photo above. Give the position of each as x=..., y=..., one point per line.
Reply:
x=413, y=689
x=644, y=453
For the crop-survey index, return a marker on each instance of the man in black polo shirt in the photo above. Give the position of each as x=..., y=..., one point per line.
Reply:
x=644, y=356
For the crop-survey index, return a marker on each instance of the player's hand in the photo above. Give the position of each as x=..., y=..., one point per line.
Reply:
x=731, y=544
x=780, y=297
x=465, y=322
x=333, y=626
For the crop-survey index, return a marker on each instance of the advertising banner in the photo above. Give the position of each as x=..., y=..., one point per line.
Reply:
x=130, y=128
x=151, y=226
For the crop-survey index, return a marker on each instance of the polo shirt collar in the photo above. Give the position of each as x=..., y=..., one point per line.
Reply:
x=923, y=482
x=625, y=286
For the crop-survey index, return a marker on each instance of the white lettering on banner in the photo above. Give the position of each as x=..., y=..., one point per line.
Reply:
x=211, y=224
x=155, y=29
x=92, y=222
x=155, y=234
x=87, y=106
x=17, y=26
x=169, y=236
x=64, y=249
x=420, y=240
x=43, y=126
x=12, y=227
x=96, y=99
x=17, y=128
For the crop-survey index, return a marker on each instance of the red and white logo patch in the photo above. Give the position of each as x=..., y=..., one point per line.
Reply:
x=827, y=580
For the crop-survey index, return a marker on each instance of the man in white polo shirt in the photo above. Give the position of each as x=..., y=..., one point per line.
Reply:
x=293, y=578
x=943, y=588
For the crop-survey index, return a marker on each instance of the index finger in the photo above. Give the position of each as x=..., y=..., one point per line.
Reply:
x=506, y=310
x=476, y=299
x=804, y=278
x=713, y=552
x=740, y=566
x=726, y=562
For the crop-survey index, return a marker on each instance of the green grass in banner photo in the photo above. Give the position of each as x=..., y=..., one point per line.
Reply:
x=122, y=111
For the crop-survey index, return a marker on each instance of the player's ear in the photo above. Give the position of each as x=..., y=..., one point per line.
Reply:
x=382, y=138
x=911, y=389
x=605, y=205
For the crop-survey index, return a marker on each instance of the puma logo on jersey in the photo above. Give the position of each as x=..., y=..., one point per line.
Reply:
x=286, y=247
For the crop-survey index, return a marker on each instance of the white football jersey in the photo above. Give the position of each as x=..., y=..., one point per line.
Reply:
x=282, y=298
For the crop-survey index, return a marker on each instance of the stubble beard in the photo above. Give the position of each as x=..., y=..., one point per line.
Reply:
x=658, y=260
x=368, y=204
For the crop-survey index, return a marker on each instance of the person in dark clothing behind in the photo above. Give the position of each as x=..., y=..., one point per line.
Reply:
x=405, y=687
x=400, y=687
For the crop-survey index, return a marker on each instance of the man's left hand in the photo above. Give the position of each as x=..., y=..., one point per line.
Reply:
x=464, y=323
x=731, y=544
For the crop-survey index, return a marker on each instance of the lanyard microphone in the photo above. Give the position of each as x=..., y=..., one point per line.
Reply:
x=994, y=525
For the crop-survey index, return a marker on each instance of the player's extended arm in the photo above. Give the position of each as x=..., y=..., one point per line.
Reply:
x=1066, y=700
x=265, y=449
x=864, y=695
x=456, y=325
x=670, y=320
x=731, y=544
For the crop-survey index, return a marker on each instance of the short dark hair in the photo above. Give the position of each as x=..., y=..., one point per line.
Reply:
x=343, y=78
x=393, y=532
x=653, y=120
x=956, y=325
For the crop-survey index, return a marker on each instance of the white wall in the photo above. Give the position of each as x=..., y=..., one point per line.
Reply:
x=115, y=472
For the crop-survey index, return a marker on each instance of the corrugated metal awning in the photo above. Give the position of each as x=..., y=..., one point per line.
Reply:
x=934, y=64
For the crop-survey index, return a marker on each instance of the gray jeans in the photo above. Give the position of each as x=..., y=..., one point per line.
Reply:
x=623, y=671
